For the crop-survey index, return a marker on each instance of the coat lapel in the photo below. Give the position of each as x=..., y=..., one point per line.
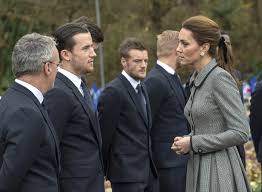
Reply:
x=134, y=97
x=173, y=85
x=86, y=107
x=22, y=89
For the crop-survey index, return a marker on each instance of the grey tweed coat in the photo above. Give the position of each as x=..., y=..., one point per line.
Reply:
x=218, y=123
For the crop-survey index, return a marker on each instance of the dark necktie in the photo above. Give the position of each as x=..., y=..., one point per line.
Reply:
x=180, y=88
x=87, y=95
x=141, y=99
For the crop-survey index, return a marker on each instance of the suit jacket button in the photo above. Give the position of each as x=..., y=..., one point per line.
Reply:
x=200, y=151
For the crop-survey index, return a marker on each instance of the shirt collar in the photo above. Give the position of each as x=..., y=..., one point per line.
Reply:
x=38, y=94
x=75, y=79
x=166, y=67
x=132, y=81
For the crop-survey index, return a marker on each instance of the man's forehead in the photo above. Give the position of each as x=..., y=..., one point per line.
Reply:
x=82, y=36
x=137, y=52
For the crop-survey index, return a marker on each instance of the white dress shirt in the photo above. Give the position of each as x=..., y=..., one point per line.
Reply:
x=166, y=67
x=38, y=94
x=75, y=79
x=132, y=81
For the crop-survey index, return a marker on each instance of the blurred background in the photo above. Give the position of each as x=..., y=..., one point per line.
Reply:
x=144, y=19
x=242, y=19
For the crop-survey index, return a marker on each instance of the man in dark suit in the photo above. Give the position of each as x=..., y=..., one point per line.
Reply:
x=256, y=120
x=125, y=120
x=167, y=101
x=29, y=154
x=70, y=108
x=97, y=38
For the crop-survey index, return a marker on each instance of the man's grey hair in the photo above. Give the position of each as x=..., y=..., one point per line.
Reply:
x=31, y=52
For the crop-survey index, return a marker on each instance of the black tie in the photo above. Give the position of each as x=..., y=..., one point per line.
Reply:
x=87, y=95
x=141, y=99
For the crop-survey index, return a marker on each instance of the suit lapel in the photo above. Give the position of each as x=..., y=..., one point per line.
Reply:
x=86, y=107
x=22, y=89
x=133, y=96
x=173, y=85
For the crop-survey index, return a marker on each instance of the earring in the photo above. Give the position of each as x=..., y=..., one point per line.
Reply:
x=202, y=54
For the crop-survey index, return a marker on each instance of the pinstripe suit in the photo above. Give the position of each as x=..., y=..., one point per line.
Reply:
x=218, y=123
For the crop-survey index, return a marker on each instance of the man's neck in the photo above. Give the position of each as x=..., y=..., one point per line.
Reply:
x=68, y=67
x=36, y=81
x=168, y=61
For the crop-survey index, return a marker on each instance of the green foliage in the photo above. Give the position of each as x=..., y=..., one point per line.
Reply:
x=120, y=19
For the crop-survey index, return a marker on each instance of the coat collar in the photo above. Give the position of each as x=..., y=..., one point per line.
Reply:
x=199, y=78
x=173, y=85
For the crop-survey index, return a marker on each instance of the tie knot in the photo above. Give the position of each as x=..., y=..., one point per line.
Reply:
x=138, y=87
x=83, y=84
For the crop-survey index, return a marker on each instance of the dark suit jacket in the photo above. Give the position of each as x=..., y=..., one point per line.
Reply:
x=256, y=120
x=30, y=160
x=168, y=119
x=78, y=130
x=125, y=132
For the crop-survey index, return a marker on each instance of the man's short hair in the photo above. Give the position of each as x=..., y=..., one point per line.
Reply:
x=95, y=31
x=128, y=44
x=31, y=52
x=64, y=35
x=167, y=41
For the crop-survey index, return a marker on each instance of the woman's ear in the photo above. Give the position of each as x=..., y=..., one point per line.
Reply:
x=205, y=47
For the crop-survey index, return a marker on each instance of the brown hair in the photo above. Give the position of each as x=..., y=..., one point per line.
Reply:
x=128, y=44
x=95, y=31
x=205, y=30
x=167, y=41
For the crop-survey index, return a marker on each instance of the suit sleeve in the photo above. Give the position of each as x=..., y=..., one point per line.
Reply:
x=227, y=97
x=255, y=116
x=109, y=106
x=59, y=106
x=25, y=132
x=156, y=94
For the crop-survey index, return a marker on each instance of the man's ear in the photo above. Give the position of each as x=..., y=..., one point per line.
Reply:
x=65, y=55
x=123, y=61
x=47, y=69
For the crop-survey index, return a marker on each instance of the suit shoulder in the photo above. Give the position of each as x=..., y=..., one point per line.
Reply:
x=154, y=73
x=25, y=116
x=156, y=79
x=59, y=83
x=59, y=97
x=115, y=84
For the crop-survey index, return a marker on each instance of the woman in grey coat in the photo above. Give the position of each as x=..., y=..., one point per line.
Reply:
x=214, y=111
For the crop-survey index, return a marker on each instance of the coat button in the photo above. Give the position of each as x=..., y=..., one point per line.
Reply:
x=200, y=151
